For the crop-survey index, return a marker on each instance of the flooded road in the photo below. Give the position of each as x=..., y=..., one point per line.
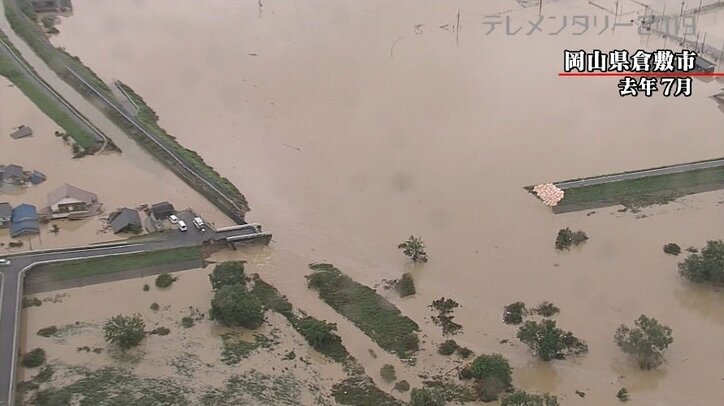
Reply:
x=351, y=125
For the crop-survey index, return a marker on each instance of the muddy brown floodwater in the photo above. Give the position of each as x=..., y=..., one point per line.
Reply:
x=349, y=129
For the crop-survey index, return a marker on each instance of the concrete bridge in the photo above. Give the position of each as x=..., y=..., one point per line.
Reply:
x=12, y=277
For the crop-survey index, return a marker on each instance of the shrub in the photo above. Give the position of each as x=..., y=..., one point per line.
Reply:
x=464, y=352
x=227, y=273
x=406, y=287
x=547, y=309
x=232, y=305
x=162, y=331
x=520, y=398
x=567, y=238
x=402, y=386
x=514, y=313
x=548, y=341
x=318, y=333
x=622, y=395
x=706, y=266
x=154, y=306
x=426, y=397
x=447, y=348
x=492, y=366
x=387, y=372
x=646, y=341
x=146, y=288
x=47, y=331
x=34, y=358
x=187, y=322
x=445, y=318
x=672, y=248
x=164, y=280
x=414, y=248
x=125, y=331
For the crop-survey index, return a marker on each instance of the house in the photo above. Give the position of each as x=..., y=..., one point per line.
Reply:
x=6, y=212
x=13, y=174
x=22, y=132
x=162, y=210
x=125, y=220
x=24, y=221
x=37, y=177
x=68, y=200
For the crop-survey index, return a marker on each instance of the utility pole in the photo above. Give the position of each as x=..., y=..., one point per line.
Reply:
x=700, y=1
x=540, y=8
x=681, y=13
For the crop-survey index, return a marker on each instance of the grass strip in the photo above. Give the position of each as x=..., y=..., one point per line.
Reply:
x=370, y=312
x=119, y=263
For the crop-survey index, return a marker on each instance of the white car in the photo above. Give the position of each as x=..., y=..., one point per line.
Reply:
x=173, y=219
x=182, y=225
x=4, y=262
x=199, y=224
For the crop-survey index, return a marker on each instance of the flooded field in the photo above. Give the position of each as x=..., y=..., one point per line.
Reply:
x=117, y=181
x=351, y=125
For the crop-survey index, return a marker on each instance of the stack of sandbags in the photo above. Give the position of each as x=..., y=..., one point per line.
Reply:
x=549, y=193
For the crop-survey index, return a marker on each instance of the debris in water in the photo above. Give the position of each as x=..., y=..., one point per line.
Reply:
x=549, y=193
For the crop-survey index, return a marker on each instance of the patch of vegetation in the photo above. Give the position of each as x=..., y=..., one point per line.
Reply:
x=271, y=299
x=402, y=386
x=646, y=341
x=387, y=372
x=47, y=331
x=187, y=322
x=426, y=397
x=99, y=266
x=125, y=331
x=256, y=388
x=514, y=313
x=646, y=191
x=451, y=391
x=414, y=248
x=550, y=342
x=227, y=273
x=370, y=312
x=162, y=331
x=672, y=249
x=360, y=390
x=146, y=288
x=546, y=309
x=444, y=318
x=493, y=376
x=567, y=238
x=232, y=305
x=449, y=347
x=235, y=348
x=30, y=302
x=164, y=280
x=706, y=266
x=406, y=286
x=33, y=358
x=520, y=398
x=622, y=395
x=155, y=306
x=321, y=336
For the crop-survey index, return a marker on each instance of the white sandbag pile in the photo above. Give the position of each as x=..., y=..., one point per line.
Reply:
x=549, y=193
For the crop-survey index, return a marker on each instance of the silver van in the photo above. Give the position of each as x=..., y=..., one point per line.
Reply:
x=199, y=224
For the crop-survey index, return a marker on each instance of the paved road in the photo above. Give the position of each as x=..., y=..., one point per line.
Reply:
x=13, y=275
x=641, y=174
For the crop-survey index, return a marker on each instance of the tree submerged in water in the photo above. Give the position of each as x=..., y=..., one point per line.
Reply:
x=125, y=331
x=550, y=342
x=567, y=238
x=414, y=248
x=646, y=341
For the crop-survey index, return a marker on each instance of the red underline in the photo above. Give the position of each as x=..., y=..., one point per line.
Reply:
x=647, y=74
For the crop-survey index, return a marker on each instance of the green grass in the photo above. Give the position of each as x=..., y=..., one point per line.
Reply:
x=46, y=104
x=370, y=312
x=644, y=191
x=235, y=348
x=100, y=266
x=360, y=390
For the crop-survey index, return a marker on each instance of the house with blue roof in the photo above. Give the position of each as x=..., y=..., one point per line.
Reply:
x=24, y=221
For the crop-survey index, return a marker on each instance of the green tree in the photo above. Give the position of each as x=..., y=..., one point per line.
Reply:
x=514, y=313
x=672, y=248
x=34, y=358
x=493, y=374
x=232, y=305
x=318, y=333
x=426, y=397
x=387, y=372
x=548, y=341
x=164, y=280
x=520, y=398
x=406, y=287
x=707, y=266
x=646, y=341
x=414, y=248
x=567, y=238
x=227, y=273
x=125, y=331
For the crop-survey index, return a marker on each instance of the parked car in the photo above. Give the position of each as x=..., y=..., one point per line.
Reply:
x=173, y=219
x=199, y=224
x=4, y=262
x=182, y=225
